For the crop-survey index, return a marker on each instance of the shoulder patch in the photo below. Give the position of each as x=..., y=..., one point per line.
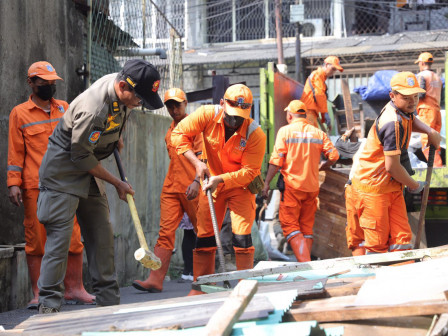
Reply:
x=94, y=136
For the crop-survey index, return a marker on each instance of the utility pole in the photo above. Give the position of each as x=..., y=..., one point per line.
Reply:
x=278, y=28
x=297, y=16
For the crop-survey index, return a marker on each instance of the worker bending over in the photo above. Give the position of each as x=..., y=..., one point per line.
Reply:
x=234, y=145
x=384, y=169
x=314, y=94
x=179, y=193
x=297, y=152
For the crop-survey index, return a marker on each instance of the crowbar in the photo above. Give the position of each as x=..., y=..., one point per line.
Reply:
x=222, y=267
x=421, y=219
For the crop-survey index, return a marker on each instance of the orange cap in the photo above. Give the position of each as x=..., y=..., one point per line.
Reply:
x=238, y=99
x=175, y=94
x=405, y=83
x=43, y=70
x=425, y=57
x=296, y=106
x=333, y=60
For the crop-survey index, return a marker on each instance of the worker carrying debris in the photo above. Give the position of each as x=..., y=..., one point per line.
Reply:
x=234, y=146
x=314, y=94
x=30, y=125
x=71, y=178
x=384, y=168
x=297, y=152
x=179, y=193
x=428, y=108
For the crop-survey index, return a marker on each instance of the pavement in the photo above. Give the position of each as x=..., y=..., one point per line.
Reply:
x=171, y=289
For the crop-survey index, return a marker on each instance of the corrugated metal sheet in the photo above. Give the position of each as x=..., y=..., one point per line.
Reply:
x=253, y=51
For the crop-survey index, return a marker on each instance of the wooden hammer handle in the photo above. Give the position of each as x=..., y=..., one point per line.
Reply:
x=421, y=219
x=131, y=203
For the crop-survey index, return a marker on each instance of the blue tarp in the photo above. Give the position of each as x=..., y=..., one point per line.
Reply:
x=378, y=87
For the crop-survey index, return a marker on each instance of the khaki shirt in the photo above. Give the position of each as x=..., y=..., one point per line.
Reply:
x=87, y=133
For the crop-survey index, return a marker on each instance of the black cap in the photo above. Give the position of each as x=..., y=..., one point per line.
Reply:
x=144, y=78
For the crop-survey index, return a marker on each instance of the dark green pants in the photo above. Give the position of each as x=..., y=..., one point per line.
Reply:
x=56, y=211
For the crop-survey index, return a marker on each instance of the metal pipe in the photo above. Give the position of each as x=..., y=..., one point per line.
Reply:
x=89, y=44
x=142, y=52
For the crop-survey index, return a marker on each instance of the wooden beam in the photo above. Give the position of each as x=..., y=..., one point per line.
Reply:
x=348, y=108
x=329, y=264
x=343, y=309
x=221, y=323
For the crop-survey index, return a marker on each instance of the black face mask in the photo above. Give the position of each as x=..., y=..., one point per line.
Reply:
x=233, y=122
x=45, y=92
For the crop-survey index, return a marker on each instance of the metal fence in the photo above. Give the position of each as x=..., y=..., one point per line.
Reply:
x=119, y=30
x=232, y=20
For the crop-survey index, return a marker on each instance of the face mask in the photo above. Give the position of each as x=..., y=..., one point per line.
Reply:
x=45, y=92
x=233, y=122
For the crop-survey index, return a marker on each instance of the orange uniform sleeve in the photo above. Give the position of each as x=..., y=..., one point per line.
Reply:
x=16, y=151
x=183, y=135
x=320, y=89
x=197, y=146
x=330, y=151
x=251, y=161
x=278, y=155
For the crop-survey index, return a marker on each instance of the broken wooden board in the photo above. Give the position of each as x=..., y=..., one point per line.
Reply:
x=343, y=309
x=348, y=262
x=184, y=312
x=222, y=321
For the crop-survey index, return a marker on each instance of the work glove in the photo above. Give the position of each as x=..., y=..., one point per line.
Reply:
x=421, y=186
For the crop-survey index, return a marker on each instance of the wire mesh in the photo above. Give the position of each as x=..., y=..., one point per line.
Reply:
x=120, y=29
x=239, y=20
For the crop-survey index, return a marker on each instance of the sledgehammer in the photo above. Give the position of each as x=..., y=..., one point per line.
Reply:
x=143, y=254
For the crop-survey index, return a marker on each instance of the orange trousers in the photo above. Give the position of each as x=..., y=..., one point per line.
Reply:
x=385, y=223
x=355, y=234
x=297, y=211
x=172, y=208
x=241, y=203
x=35, y=234
x=433, y=119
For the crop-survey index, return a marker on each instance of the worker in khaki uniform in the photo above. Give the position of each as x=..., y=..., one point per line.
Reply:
x=234, y=145
x=384, y=168
x=314, y=94
x=71, y=178
x=297, y=152
x=179, y=193
x=428, y=108
x=30, y=125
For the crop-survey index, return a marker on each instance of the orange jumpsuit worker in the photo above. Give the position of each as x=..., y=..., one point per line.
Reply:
x=234, y=145
x=297, y=151
x=30, y=125
x=354, y=233
x=314, y=94
x=428, y=108
x=179, y=193
x=384, y=169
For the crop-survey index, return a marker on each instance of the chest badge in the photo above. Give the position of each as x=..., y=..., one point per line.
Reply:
x=111, y=124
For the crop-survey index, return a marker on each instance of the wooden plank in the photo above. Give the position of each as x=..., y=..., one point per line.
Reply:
x=173, y=317
x=348, y=108
x=221, y=323
x=342, y=309
x=359, y=328
x=328, y=264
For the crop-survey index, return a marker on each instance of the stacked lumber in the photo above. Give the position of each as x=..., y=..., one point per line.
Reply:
x=329, y=225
